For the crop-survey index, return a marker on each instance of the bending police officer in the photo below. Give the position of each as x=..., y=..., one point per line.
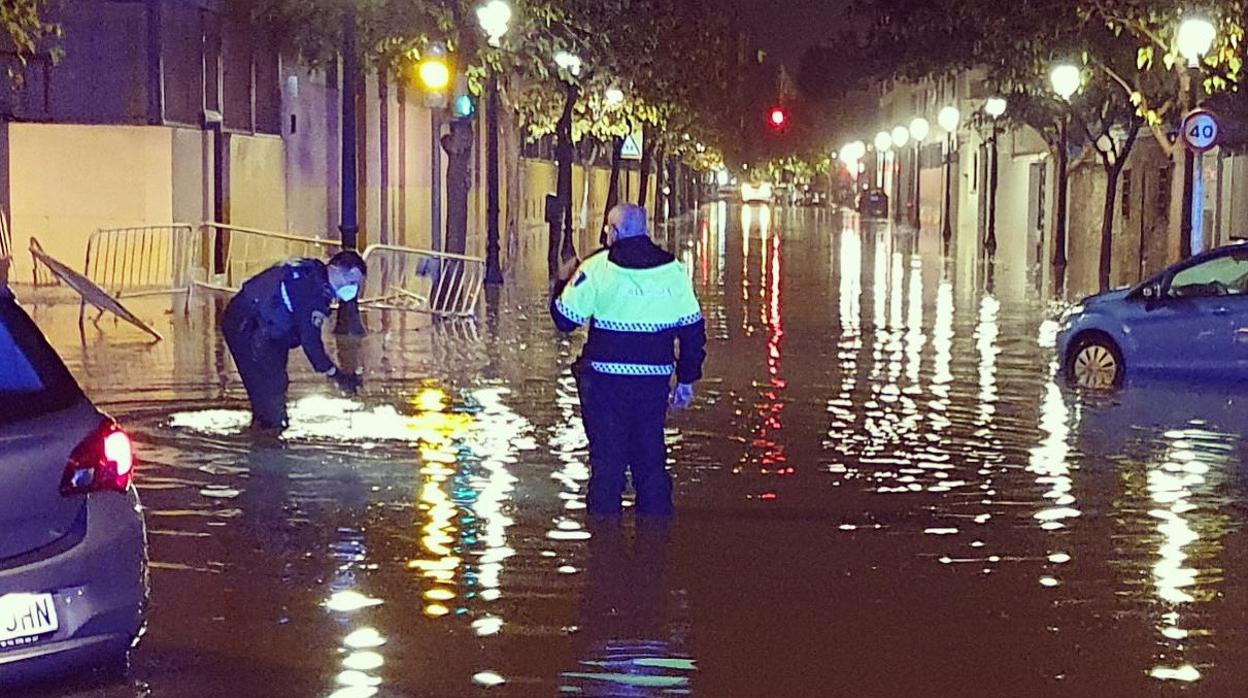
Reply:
x=639, y=303
x=282, y=308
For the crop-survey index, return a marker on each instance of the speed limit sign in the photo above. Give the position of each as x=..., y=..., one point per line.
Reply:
x=1200, y=130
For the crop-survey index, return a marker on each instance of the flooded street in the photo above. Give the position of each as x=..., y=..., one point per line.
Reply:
x=882, y=491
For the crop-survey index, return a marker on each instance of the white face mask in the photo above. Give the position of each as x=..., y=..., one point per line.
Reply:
x=348, y=292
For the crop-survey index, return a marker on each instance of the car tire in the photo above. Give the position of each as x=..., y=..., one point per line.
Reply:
x=1095, y=363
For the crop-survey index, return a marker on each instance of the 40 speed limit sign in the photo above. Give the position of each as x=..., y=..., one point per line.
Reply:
x=1200, y=130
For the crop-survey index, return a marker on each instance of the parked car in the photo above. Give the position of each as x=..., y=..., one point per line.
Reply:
x=73, y=550
x=873, y=203
x=1191, y=319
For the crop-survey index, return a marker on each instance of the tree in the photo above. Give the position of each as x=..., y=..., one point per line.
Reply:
x=25, y=31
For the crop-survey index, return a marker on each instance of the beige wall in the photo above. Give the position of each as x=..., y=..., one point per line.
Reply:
x=257, y=182
x=69, y=180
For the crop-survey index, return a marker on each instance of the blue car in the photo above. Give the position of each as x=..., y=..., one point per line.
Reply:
x=1190, y=320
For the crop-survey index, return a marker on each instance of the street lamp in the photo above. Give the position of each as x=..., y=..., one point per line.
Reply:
x=569, y=62
x=995, y=108
x=613, y=97
x=919, y=130
x=883, y=144
x=901, y=136
x=1195, y=38
x=949, y=118
x=1066, y=80
x=435, y=77
x=495, y=19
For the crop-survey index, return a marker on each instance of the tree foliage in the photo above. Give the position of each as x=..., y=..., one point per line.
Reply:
x=25, y=33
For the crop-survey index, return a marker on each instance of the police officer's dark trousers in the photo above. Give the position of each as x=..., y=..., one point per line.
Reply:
x=624, y=418
x=261, y=362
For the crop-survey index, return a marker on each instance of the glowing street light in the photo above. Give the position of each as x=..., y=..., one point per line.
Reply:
x=949, y=118
x=883, y=141
x=995, y=107
x=1195, y=38
x=919, y=131
x=435, y=74
x=613, y=97
x=901, y=136
x=569, y=62
x=495, y=19
x=1066, y=79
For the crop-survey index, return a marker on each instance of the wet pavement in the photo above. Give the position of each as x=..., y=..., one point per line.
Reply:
x=882, y=492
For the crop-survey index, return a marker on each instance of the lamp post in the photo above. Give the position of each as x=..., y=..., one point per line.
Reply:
x=919, y=130
x=495, y=18
x=883, y=144
x=949, y=118
x=994, y=108
x=1195, y=37
x=1066, y=80
x=348, y=321
x=435, y=78
x=901, y=136
x=570, y=64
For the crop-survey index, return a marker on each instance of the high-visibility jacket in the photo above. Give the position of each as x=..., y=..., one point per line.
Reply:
x=638, y=302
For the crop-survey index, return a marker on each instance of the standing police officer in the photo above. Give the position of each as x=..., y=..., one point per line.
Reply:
x=639, y=302
x=279, y=309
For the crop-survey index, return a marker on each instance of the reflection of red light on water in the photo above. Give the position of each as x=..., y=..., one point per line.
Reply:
x=768, y=495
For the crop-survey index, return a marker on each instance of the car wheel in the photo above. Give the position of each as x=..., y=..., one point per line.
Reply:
x=1096, y=364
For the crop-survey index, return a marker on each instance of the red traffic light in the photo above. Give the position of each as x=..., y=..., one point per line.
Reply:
x=778, y=117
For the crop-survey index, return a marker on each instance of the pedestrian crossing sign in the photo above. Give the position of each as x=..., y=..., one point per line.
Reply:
x=632, y=147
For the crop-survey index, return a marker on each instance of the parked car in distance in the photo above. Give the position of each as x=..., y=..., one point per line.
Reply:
x=73, y=549
x=873, y=203
x=1189, y=320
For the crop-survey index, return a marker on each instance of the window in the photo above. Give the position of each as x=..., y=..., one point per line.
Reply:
x=33, y=381
x=1126, y=195
x=1222, y=276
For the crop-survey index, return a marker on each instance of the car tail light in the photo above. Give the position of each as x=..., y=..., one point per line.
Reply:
x=103, y=461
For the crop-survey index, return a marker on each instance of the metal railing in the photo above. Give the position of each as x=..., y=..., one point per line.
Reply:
x=439, y=283
x=6, y=249
x=87, y=290
x=246, y=252
x=145, y=260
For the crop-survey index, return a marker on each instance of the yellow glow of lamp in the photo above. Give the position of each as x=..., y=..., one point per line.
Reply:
x=434, y=74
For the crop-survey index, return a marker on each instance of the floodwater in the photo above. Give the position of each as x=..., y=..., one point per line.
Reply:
x=882, y=491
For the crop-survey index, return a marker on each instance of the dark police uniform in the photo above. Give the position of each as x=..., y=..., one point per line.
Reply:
x=277, y=310
x=639, y=302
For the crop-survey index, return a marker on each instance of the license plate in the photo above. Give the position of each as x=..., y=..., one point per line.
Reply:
x=26, y=618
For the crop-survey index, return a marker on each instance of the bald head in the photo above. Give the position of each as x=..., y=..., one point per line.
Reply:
x=627, y=221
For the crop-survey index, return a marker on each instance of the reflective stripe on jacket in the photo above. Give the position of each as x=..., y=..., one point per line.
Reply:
x=638, y=302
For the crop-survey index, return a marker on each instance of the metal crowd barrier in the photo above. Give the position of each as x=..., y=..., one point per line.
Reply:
x=6, y=249
x=144, y=261
x=438, y=283
x=248, y=251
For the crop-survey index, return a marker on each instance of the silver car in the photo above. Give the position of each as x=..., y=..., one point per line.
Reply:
x=73, y=549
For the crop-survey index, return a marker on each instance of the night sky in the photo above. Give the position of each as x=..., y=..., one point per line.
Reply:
x=784, y=28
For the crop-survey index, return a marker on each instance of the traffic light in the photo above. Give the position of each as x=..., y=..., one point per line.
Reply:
x=778, y=118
